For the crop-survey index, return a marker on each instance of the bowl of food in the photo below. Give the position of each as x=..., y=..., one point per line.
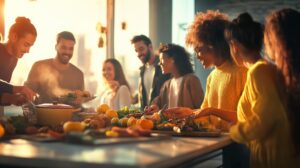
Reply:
x=52, y=114
x=76, y=98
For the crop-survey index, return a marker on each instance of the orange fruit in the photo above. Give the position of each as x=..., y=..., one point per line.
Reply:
x=123, y=122
x=145, y=123
x=102, y=108
x=131, y=121
x=111, y=113
x=155, y=117
x=71, y=126
x=2, y=131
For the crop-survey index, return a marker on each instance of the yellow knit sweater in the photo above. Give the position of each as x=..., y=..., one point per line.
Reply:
x=262, y=119
x=224, y=87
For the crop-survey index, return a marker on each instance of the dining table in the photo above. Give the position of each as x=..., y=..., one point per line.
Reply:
x=157, y=152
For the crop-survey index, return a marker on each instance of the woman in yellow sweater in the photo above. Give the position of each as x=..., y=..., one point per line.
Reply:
x=261, y=121
x=225, y=83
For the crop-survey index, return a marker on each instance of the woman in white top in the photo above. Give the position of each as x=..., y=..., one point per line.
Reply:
x=117, y=91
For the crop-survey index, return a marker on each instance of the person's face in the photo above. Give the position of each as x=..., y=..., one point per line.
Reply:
x=166, y=63
x=108, y=71
x=205, y=55
x=143, y=51
x=234, y=52
x=65, y=50
x=22, y=45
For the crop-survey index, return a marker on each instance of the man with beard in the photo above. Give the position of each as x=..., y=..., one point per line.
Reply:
x=151, y=77
x=55, y=77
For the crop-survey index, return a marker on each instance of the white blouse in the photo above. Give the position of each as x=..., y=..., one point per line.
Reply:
x=116, y=100
x=174, y=91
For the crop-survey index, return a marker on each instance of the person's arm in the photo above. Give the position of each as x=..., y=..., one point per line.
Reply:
x=5, y=87
x=226, y=115
x=266, y=110
x=24, y=90
x=15, y=99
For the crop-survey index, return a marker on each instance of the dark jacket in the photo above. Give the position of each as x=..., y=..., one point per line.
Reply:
x=158, y=80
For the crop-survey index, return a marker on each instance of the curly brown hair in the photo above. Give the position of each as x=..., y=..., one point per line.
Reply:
x=180, y=55
x=208, y=28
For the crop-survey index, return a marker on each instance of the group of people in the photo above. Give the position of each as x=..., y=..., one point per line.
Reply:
x=260, y=107
x=163, y=79
x=252, y=96
x=47, y=78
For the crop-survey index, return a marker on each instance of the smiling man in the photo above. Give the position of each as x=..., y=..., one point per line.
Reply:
x=151, y=77
x=54, y=77
x=21, y=37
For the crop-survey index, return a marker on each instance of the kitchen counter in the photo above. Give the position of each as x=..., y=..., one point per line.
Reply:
x=163, y=153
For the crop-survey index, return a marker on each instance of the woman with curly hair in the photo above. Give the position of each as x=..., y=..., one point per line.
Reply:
x=225, y=83
x=184, y=88
x=282, y=46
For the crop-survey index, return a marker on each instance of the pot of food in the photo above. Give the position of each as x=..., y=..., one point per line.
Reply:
x=53, y=114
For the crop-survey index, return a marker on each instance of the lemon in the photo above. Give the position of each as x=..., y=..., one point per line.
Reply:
x=71, y=126
x=111, y=134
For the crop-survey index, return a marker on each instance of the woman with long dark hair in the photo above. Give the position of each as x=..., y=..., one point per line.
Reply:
x=282, y=39
x=117, y=91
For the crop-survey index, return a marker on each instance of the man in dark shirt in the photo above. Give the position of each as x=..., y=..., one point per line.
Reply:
x=21, y=37
x=151, y=77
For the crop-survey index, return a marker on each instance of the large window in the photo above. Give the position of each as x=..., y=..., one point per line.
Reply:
x=135, y=14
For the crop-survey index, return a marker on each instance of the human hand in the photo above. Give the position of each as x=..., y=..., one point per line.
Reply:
x=24, y=90
x=178, y=112
x=15, y=99
x=203, y=112
x=151, y=109
x=114, y=85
